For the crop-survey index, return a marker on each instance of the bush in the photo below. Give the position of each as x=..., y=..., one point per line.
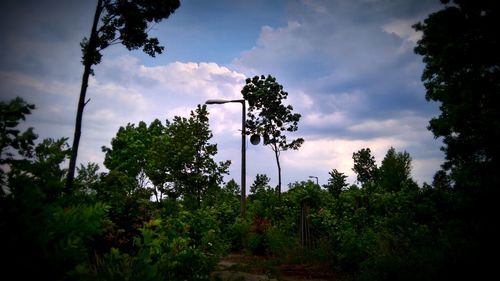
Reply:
x=166, y=250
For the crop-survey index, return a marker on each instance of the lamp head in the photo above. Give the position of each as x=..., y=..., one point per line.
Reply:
x=216, y=101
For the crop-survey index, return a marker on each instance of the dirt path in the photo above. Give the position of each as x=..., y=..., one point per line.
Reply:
x=237, y=267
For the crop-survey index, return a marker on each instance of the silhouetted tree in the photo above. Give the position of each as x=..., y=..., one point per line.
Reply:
x=364, y=166
x=336, y=183
x=269, y=117
x=12, y=141
x=460, y=46
x=115, y=22
x=441, y=180
x=394, y=173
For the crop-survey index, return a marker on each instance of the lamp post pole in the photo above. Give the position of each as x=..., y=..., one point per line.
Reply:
x=243, y=149
x=317, y=183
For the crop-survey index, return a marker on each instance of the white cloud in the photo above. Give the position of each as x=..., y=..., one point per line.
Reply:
x=402, y=28
x=321, y=155
x=124, y=90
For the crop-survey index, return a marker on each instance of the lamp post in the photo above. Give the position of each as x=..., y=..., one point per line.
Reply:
x=316, y=179
x=243, y=151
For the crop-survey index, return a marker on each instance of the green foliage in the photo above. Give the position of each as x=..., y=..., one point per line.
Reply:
x=395, y=171
x=261, y=183
x=129, y=149
x=109, y=229
x=87, y=179
x=176, y=157
x=336, y=183
x=187, y=156
x=237, y=234
x=126, y=22
x=466, y=88
x=43, y=233
x=365, y=166
x=180, y=248
x=459, y=48
x=13, y=143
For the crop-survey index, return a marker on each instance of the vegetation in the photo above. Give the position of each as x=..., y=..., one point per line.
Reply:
x=461, y=73
x=162, y=211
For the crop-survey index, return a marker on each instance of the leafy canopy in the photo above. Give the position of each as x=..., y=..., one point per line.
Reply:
x=128, y=23
x=268, y=116
x=336, y=183
x=177, y=158
x=364, y=166
x=460, y=46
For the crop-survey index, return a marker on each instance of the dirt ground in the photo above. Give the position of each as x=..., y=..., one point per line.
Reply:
x=239, y=267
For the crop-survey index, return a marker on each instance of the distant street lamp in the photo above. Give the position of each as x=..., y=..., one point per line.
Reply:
x=243, y=151
x=316, y=179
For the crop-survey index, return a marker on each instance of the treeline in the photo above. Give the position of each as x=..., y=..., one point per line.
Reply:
x=162, y=211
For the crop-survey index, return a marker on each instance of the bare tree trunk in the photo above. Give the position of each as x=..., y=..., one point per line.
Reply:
x=277, y=155
x=88, y=62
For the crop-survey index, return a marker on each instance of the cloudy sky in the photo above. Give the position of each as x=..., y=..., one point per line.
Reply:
x=348, y=66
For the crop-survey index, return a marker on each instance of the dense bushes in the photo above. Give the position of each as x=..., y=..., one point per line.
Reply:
x=108, y=228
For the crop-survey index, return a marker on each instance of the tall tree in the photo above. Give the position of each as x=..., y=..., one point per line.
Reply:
x=188, y=156
x=336, y=183
x=460, y=46
x=176, y=157
x=364, y=166
x=115, y=22
x=395, y=171
x=268, y=116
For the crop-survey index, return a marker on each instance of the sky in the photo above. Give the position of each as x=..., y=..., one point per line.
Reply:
x=348, y=66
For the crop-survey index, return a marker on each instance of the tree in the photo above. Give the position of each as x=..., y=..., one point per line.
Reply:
x=188, y=156
x=268, y=116
x=364, y=166
x=129, y=149
x=11, y=114
x=336, y=183
x=88, y=177
x=441, y=180
x=13, y=143
x=176, y=157
x=116, y=21
x=395, y=172
x=261, y=183
x=460, y=46
x=44, y=234
x=231, y=188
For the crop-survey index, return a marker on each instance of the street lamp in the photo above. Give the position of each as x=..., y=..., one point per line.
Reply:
x=243, y=151
x=316, y=179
